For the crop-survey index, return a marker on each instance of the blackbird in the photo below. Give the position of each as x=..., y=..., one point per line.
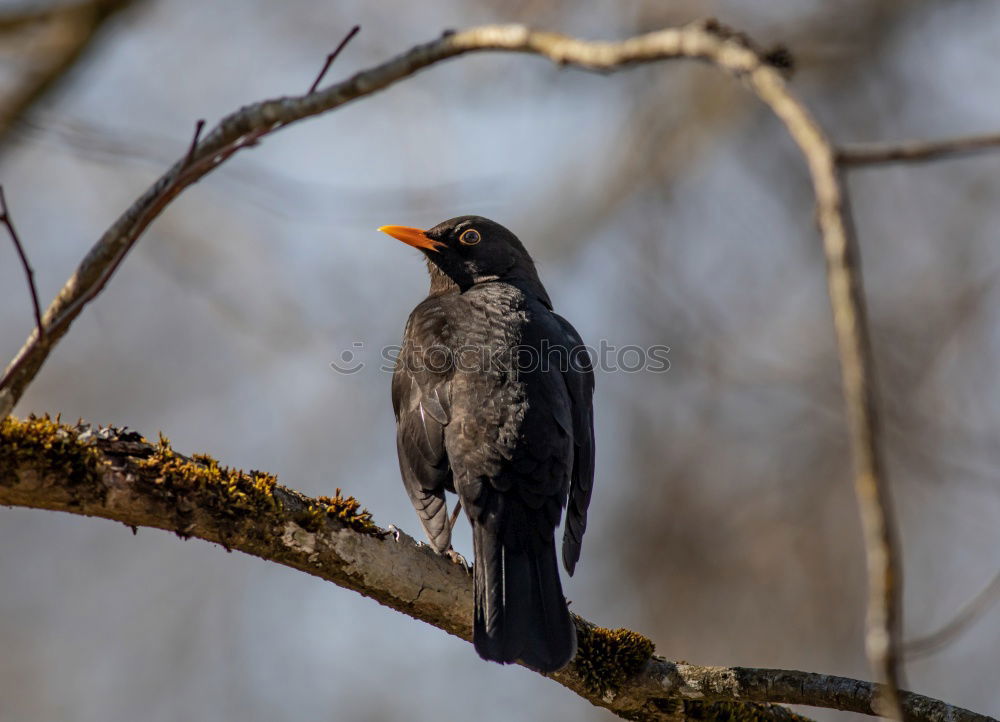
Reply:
x=493, y=396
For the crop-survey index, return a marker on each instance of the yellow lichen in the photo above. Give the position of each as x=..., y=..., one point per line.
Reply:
x=201, y=481
x=607, y=658
x=235, y=494
x=346, y=509
x=184, y=485
x=25, y=441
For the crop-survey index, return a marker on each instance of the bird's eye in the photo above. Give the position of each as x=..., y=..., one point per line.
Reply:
x=470, y=237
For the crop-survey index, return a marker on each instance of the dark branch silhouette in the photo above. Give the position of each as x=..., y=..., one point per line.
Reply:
x=29, y=272
x=331, y=57
x=198, y=127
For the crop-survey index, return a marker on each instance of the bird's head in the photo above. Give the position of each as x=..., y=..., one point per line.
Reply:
x=470, y=250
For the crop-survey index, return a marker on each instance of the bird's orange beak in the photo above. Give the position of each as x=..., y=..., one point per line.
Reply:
x=412, y=236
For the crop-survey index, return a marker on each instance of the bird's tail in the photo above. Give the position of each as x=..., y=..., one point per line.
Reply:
x=520, y=611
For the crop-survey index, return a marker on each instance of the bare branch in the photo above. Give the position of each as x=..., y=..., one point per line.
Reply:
x=29, y=273
x=967, y=615
x=331, y=57
x=706, y=41
x=915, y=151
x=118, y=475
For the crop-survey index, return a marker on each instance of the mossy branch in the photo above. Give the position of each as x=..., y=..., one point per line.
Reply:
x=119, y=475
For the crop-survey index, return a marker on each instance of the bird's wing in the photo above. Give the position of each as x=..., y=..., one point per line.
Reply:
x=420, y=400
x=579, y=378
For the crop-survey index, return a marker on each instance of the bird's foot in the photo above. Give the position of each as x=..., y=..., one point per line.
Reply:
x=398, y=535
x=456, y=558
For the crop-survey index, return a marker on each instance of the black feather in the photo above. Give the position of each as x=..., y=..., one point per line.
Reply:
x=520, y=612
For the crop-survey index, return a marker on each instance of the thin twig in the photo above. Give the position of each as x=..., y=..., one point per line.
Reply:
x=29, y=273
x=703, y=41
x=915, y=151
x=331, y=57
x=967, y=615
x=198, y=127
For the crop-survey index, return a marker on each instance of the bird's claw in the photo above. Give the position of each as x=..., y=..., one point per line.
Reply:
x=456, y=558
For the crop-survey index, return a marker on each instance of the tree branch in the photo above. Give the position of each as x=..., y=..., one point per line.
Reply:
x=707, y=41
x=914, y=151
x=118, y=475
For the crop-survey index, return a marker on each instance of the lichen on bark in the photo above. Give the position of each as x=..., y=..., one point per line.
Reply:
x=77, y=455
x=607, y=658
x=43, y=437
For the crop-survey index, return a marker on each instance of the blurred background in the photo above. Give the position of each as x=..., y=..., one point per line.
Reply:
x=663, y=206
